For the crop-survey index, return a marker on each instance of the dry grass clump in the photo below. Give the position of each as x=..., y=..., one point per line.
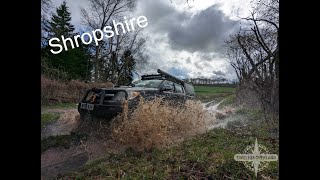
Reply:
x=157, y=123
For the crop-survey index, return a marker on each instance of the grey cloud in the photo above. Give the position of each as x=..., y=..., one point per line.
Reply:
x=188, y=60
x=198, y=65
x=199, y=74
x=175, y=62
x=230, y=72
x=201, y=65
x=161, y=15
x=209, y=56
x=205, y=64
x=181, y=73
x=219, y=73
x=206, y=56
x=203, y=32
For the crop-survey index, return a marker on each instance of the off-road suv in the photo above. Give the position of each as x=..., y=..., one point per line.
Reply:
x=108, y=102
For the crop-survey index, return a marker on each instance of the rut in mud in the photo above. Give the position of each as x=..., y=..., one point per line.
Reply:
x=67, y=122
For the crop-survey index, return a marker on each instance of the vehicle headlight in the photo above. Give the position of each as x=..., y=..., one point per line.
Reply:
x=133, y=94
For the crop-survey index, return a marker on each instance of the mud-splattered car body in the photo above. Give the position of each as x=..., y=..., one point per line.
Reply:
x=108, y=102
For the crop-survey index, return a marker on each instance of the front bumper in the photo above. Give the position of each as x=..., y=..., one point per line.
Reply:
x=109, y=109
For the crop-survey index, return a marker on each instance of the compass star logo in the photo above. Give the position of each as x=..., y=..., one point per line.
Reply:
x=256, y=157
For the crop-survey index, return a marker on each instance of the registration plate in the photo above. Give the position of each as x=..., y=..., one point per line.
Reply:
x=87, y=106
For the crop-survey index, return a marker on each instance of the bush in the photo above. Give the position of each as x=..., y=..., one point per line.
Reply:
x=56, y=91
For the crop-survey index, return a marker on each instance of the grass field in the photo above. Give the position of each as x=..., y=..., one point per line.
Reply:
x=209, y=92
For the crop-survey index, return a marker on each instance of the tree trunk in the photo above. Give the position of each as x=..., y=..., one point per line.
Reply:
x=96, y=65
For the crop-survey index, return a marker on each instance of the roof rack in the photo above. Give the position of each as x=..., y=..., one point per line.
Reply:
x=188, y=87
x=162, y=75
x=152, y=76
x=170, y=77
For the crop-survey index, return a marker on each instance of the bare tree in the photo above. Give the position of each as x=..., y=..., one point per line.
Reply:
x=186, y=2
x=254, y=53
x=129, y=41
x=99, y=15
x=46, y=5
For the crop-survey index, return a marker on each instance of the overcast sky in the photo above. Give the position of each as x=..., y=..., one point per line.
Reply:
x=185, y=41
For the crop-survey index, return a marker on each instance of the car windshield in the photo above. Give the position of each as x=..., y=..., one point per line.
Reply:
x=154, y=83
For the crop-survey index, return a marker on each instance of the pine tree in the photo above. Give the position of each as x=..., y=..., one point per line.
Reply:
x=60, y=23
x=73, y=61
x=127, y=65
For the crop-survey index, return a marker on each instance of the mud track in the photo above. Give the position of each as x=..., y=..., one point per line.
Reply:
x=59, y=161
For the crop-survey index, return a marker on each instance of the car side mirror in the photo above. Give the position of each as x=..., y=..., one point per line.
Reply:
x=166, y=88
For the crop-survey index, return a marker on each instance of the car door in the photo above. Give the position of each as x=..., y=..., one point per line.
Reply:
x=179, y=92
x=167, y=89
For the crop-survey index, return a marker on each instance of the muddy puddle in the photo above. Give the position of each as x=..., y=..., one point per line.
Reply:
x=59, y=161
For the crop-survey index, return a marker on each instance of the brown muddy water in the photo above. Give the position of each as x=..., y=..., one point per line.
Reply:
x=153, y=124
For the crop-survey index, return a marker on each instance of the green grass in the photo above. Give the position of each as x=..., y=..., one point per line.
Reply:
x=213, y=89
x=207, y=156
x=253, y=114
x=64, y=141
x=230, y=100
x=209, y=92
x=60, y=105
x=48, y=118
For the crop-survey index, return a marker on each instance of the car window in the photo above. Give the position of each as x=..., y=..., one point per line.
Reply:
x=148, y=83
x=168, y=83
x=178, y=88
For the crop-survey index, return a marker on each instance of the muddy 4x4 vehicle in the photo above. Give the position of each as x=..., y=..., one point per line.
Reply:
x=108, y=102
